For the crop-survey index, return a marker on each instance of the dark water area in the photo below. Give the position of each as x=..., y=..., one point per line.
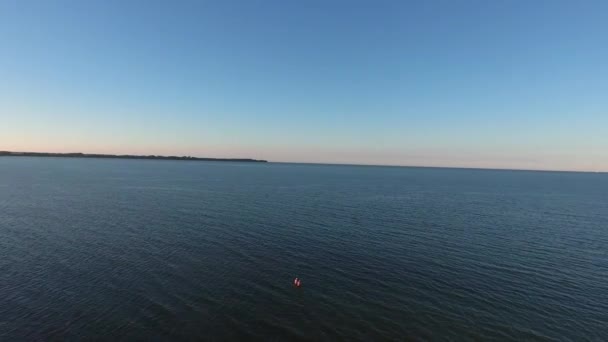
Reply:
x=179, y=250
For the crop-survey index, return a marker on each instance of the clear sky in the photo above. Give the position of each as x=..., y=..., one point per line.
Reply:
x=504, y=84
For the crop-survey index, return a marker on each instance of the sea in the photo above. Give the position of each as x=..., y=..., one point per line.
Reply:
x=160, y=250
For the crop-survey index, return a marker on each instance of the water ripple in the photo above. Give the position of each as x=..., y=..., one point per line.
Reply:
x=189, y=251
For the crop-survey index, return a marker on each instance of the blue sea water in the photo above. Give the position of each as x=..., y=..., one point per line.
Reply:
x=184, y=250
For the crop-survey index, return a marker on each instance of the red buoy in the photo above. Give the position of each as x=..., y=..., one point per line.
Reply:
x=297, y=282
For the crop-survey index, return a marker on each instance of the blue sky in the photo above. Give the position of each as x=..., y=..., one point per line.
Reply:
x=506, y=84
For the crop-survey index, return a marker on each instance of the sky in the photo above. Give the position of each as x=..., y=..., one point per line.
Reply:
x=491, y=84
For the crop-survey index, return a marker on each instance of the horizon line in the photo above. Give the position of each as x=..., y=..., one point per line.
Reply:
x=436, y=167
x=4, y=153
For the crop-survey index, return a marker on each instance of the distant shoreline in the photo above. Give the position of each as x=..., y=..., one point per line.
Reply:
x=250, y=160
x=123, y=156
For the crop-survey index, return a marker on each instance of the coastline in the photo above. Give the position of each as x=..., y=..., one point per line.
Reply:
x=124, y=156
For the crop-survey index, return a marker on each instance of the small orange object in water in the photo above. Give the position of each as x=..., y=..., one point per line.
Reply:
x=297, y=282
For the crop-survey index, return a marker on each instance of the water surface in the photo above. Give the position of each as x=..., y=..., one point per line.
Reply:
x=178, y=250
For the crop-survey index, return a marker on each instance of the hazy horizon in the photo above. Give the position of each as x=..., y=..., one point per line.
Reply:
x=328, y=162
x=515, y=85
